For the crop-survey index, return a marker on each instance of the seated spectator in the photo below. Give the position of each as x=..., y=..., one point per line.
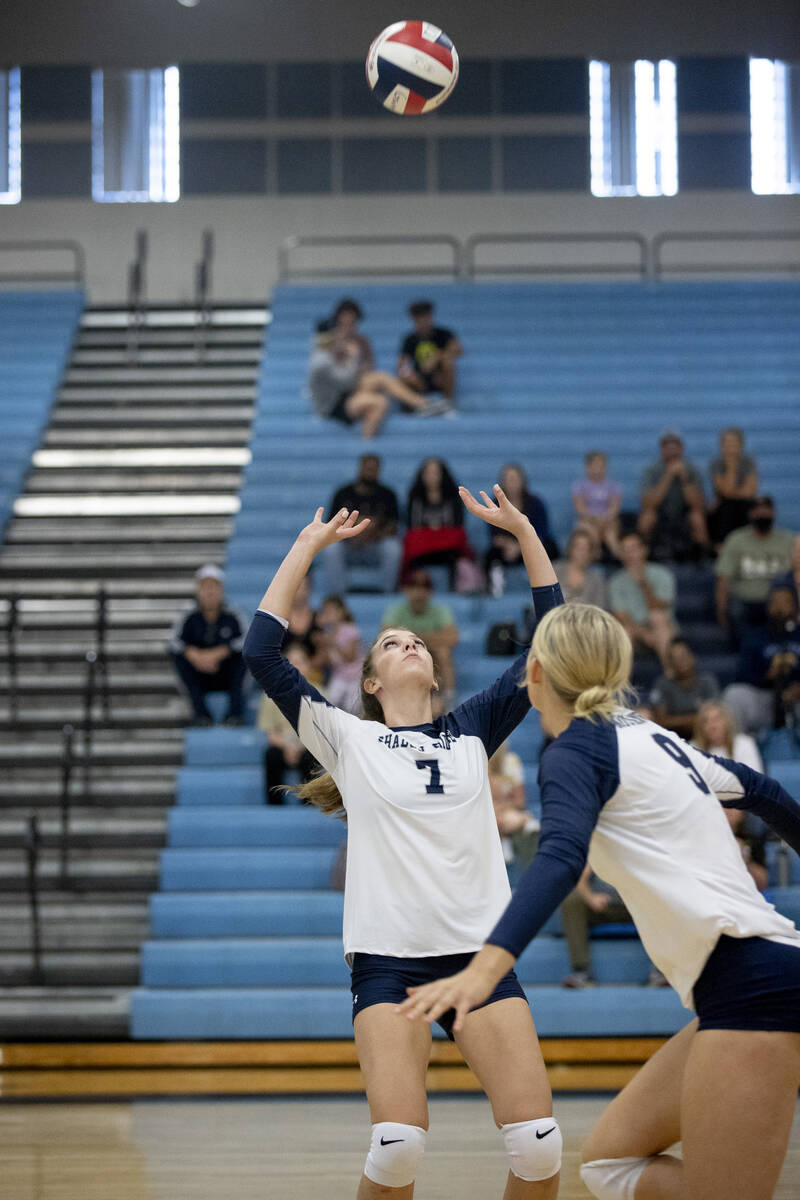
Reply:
x=734, y=479
x=434, y=623
x=435, y=519
x=677, y=695
x=597, y=501
x=344, y=654
x=304, y=628
x=379, y=545
x=341, y=390
x=673, y=519
x=592, y=902
x=768, y=687
x=345, y=319
x=579, y=579
x=503, y=549
x=427, y=359
x=284, y=750
x=642, y=596
x=518, y=828
x=791, y=578
x=206, y=649
x=749, y=560
x=716, y=732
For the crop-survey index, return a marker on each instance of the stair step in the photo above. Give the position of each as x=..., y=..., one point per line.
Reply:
x=169, y=529
x=134, y=482
x=171, y=712
x=121, y=753
x=95, y=338
x=66, y=438
x=120, y=413
x=174, y=459
x=176, y=316
x=71, y=1013
x=43, y=790
x=157, y=356
x=62, y=968
x=106, y=504
x=157, y=586
x=60, y=683
x=240, y=393
x=222, y=374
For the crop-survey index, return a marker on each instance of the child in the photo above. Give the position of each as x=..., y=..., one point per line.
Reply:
x=597, y=501
x=342, y=642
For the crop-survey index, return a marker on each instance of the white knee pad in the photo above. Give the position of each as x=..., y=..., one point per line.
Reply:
x=534, y=1148
x=394, y=1154
x=613, y=1178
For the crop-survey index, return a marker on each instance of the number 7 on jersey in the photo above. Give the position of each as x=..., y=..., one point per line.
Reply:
x=432, y=765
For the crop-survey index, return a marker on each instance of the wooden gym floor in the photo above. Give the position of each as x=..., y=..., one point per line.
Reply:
x=247, y=1149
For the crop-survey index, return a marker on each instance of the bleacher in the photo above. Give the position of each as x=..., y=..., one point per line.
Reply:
x=36, y=332
x=245, y=933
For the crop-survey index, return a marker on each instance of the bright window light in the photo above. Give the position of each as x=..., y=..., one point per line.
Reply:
x=774, y=126
x=136, y=135
x=10, y=138
x=633, y=128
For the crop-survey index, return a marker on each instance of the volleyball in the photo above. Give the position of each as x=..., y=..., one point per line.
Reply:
x=412, y=67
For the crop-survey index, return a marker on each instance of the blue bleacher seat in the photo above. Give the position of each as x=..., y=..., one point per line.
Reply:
x=216, y=747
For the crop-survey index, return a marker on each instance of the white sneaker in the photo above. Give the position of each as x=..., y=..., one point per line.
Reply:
x=435, y=407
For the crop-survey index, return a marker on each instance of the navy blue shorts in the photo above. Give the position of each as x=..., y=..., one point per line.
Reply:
x=750, y=983
x=379, y=979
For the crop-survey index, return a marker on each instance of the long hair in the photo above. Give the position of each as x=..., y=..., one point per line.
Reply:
x=699, y=737
x=418, y=495
x=586, y=655
x=321, y=790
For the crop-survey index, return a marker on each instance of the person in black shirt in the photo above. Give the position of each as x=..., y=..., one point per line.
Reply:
x=378, y=546
x=427, y=360
x=206, y=650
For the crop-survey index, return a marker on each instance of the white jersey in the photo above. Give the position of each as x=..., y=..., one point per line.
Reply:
x=425, y=868
x=646, y=807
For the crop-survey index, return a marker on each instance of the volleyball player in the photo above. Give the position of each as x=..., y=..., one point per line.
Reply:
x=425, y=874
x=645, y=807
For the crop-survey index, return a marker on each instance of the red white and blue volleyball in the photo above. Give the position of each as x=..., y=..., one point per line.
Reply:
x=412, y=67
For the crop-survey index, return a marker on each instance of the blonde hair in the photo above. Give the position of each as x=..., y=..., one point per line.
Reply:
x=586, y=655
x=321, y=790
x=699, y=737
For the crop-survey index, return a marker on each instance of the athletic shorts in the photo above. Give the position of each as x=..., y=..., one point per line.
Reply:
x=339, y=412
x=379, y=979
x=750, y=983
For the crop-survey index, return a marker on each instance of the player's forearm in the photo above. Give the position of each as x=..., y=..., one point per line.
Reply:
x=535, y=557
x=290, y=574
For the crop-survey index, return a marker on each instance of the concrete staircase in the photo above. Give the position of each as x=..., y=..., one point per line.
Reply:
x=133, y=487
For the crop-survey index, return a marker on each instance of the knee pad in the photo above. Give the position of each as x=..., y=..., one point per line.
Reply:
x=394, y=1154
x=534, y=1148
x=613, y=1178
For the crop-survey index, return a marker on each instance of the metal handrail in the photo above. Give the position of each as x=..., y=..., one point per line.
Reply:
x=289, y=244
x=67, y=764
x=77, y=276
x=88, y=722
x=746, y=235
x=12, y=624
x=33, y=841
x=137, y=291
x=509, y=239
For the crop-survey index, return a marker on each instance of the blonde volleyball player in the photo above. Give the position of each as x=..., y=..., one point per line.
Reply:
x=645, y=807
x=425, y=877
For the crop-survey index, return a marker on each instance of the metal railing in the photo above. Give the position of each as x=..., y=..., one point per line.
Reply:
x=67, y=766
x=137, y=291
x=76, y=277
x=637, y=267
x=697, y=266
x=11, y=627
x=33, y=842
x=360, y=242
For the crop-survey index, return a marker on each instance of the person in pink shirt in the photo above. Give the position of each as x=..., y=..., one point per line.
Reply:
x=597, y=501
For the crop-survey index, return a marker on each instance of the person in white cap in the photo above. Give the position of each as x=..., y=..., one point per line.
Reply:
x=206, y=649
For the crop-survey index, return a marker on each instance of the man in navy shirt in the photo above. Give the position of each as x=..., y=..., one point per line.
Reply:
x=206, y=649
x=768, y=691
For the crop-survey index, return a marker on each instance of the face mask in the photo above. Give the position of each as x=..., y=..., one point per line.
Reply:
x=763, y=524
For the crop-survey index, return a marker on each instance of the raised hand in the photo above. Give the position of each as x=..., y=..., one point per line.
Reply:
x=342, y=525
x=498, y=511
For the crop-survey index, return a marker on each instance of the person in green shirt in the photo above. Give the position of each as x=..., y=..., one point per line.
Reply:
x=433, y=622
x=749, y=560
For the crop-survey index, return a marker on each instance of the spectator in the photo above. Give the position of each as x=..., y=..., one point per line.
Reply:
x=427, y=359
x=342, y=390
x=592, y=902
x=518, y=828
x=304, y=628
x=206, y=649
x=578, y=578
x=345, y=319
x=379, y=545
x=597, y=501
x=642, y=596
x=673, y=519
x=341, y=644
x=716, y=732
x=435, y=519
x=434, y=623
x=284, y=749
x=677, y=695
x=504, y=550
x=734, y=478
x=791, y=578
x=768, y=687
x=749, y=559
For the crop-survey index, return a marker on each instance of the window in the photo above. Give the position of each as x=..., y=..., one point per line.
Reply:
x=10, y=139
x=774, y=126
x=633, y=128
x=135, y=135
